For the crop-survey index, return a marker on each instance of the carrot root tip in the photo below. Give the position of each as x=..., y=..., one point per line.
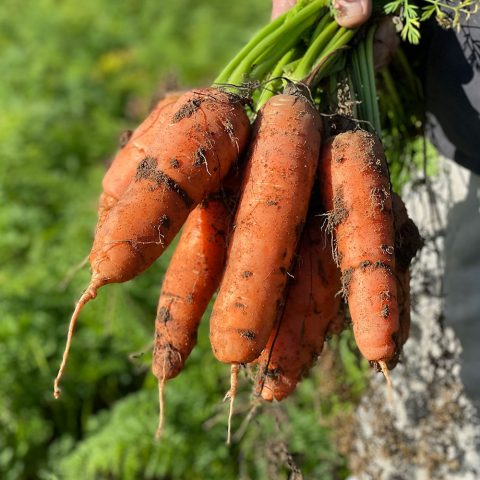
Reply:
x=231, y=394
x=89, y=294
x=159, y=431
x=386, y=373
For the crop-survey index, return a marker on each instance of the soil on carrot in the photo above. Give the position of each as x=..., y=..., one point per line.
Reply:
x=164, y=315
x=168, y=360
x=366, y=264
x=364, y=142
x=339, y=213
x=147, y=170
x=248, y=334
x=379, y=197
x=187, y=109
x=346, y=279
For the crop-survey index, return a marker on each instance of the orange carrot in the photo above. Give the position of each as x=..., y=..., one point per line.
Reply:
x=270, y=216
x=313, y=302
x=134, y=147
x=188, y=160
x=192, y=277
x=195, y=151
x=356, y=192
x=124, y=165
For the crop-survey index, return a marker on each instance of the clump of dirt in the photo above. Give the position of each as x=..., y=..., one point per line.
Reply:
x=147, y=170
x=164, y=315
x=187, y=109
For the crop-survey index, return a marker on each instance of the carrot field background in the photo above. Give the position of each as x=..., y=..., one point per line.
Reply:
x=74, y=75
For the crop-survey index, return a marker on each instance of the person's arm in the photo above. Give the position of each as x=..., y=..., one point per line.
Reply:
x=452, y=92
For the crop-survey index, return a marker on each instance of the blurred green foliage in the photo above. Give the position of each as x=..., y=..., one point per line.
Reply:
x=74, y=75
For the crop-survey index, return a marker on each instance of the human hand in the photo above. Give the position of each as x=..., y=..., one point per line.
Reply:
x=350, y=13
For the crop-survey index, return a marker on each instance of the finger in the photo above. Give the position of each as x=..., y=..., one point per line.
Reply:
x=352, y=13
x=281, y=6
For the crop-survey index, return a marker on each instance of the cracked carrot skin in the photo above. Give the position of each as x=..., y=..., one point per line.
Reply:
x=132, y=152
x=356, y=193
x=312, y=305
x=196, y=147
x=192, y=277
x=271, y=212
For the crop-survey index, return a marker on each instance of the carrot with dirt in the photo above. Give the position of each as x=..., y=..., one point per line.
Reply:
x=356, y=193
x=312, y=304
x=133, y=146
x=133, y=149
x=271, y=212
x=192, y=277
x=205, y=134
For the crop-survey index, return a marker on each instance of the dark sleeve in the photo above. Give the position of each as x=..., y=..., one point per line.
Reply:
x=452, y=92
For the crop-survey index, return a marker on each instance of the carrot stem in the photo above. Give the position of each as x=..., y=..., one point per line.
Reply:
x=329, y=55
x=292, y=28
x=371, y=77
x=315, y=49
x=413, y=81
x=277, y=72
x=266, y=62
x=263, y=33
x=392, y=92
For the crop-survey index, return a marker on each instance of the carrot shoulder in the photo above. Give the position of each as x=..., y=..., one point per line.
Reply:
x=132, y=152
x=312, y=305
x=356, y=192
x=275, y=194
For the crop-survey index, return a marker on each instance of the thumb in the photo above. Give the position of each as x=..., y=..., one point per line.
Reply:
x=352, y=13
x=281, y=6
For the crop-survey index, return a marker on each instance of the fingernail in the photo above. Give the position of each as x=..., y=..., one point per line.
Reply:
x=349, y=8
x=352, y=13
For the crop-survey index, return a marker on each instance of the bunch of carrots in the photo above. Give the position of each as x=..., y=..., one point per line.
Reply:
x=287, y=214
